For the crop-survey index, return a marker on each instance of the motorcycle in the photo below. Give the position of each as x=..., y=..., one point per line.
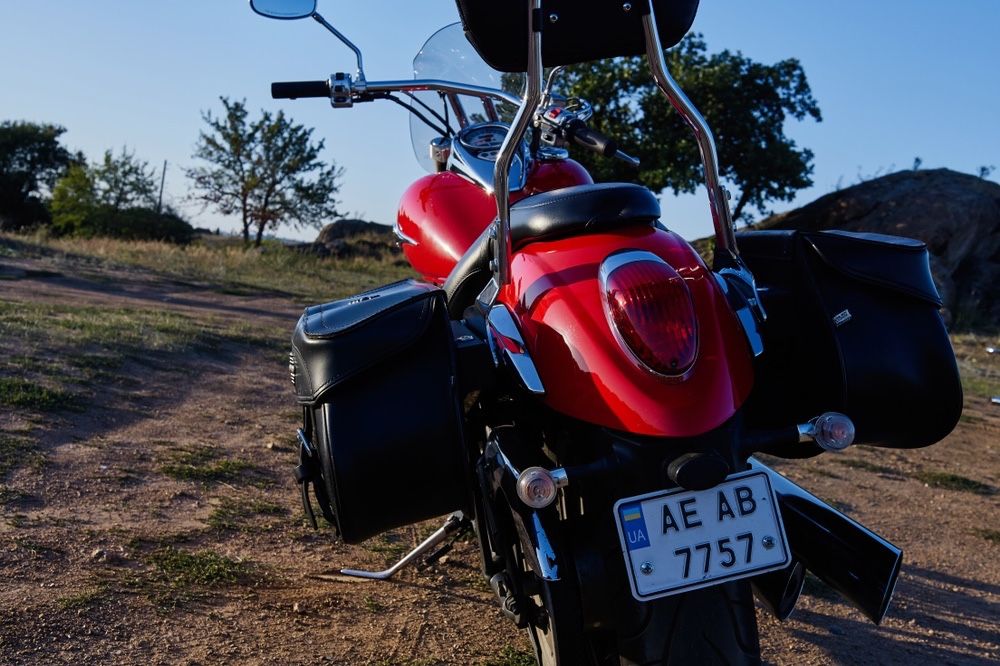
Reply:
x=571, y=381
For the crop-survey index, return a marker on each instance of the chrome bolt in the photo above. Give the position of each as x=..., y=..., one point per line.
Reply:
x=768, y=542
x=646, y=568
x=553, y=18
x=627, y=6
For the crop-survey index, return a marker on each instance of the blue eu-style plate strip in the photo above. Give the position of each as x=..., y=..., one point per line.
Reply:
x=633, y=526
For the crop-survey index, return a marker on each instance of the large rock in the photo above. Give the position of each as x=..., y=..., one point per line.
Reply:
x=354, y=238
x=956, y=214
x=350, y=228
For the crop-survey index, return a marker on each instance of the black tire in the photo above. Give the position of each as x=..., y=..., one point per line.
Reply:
x=716, y=625
x=713, y=626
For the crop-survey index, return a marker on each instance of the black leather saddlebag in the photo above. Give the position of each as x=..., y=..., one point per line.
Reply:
x=853, y=326
x=376, y=376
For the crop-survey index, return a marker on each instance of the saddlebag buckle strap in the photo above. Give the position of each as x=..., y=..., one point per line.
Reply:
x=306, y=472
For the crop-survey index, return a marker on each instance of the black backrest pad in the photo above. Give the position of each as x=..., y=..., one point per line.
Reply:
x=572, y=30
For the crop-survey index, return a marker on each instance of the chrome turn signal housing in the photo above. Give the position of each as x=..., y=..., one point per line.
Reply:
x=537, y=487
x=831, y=431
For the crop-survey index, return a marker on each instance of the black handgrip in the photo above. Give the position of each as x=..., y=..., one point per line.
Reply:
x=296, y=89
x=582, y=135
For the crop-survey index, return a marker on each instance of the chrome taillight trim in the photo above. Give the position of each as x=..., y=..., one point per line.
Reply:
x=612, y=263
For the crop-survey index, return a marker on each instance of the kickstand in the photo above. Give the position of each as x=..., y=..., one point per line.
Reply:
x=452, y=525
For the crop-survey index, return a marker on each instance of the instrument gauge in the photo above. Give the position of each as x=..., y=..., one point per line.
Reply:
x=486, y=138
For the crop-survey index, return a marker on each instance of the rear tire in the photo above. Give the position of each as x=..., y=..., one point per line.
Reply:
x=717, y=626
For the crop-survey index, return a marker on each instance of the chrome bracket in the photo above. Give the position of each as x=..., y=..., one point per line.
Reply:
x=740, y=290
x=512, y=142
x=725, y=240
x=507, y=344
x=452, y=525
x=538, y=549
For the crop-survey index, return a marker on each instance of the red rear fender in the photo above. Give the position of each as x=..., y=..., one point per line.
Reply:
x=557, y=297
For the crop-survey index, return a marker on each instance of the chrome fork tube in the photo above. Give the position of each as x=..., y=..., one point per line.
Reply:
x=511, y=144
x=725, y=240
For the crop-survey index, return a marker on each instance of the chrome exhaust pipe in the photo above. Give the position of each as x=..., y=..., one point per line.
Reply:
x=779, y=591
x=847, y=556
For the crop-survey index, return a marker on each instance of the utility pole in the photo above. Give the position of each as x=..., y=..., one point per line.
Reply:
x=163, y=180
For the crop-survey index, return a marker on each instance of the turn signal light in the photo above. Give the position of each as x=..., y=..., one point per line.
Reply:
x=536, y=487
x=649, y=307
x=833, y=431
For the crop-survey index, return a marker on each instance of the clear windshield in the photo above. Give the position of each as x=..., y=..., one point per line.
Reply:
x=448, y=55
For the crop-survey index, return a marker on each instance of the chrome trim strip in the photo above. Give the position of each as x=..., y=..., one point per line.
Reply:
x=742, y=308
x=400, y=236
x=501, y=323
x=545, y=554
x=725, y=239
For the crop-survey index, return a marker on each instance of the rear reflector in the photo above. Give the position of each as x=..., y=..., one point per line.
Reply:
x=649, y=308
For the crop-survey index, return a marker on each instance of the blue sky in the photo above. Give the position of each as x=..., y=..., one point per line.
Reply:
x=895, y=79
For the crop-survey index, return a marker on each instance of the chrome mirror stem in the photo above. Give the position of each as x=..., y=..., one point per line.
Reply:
x=360, y=78
x=725, y=237
x=511, y=144
x=547, y=93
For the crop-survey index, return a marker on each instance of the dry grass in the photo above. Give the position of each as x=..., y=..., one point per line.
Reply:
x=222, y=263
x=980, y=369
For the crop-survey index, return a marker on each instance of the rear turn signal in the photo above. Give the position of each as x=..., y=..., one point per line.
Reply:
x=650, y=310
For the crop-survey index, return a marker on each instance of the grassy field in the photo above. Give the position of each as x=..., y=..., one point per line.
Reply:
x=222, y=263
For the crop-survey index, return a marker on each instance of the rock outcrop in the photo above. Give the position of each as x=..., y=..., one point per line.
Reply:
x=956, y=214
x=353, y=238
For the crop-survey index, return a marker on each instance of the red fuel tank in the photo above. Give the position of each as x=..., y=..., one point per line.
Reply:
x=441, y=214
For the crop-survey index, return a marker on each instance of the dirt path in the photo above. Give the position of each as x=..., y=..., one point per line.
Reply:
x=155, y=520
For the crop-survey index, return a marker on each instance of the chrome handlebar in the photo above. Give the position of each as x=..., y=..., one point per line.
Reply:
x=346, y=90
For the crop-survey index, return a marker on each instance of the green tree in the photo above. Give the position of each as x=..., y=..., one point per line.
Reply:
x=31, y=160
x=114, y=197
x=74, y=201
x=268, y=171
x=746, y=103
x=124, y=181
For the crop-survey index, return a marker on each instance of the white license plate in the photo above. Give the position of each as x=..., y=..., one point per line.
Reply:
x=678, y=540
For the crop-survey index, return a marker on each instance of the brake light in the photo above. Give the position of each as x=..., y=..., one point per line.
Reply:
x=650, y=310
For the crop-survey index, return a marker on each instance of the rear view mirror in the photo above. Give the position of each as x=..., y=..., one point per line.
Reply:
x=284, y=9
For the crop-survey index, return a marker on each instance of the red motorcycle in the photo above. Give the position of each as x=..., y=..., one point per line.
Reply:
x=575, y=384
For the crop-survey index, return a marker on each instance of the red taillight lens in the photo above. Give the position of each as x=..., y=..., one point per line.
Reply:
x=650, y=307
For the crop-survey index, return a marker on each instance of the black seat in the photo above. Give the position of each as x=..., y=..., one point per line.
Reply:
x=569, y=211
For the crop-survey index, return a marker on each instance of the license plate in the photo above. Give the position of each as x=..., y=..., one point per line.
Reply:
x=679, y=540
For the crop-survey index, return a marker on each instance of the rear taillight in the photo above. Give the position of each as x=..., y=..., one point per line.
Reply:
x=649, y=308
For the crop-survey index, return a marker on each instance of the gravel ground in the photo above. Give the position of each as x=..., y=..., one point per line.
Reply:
x=150, y=516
